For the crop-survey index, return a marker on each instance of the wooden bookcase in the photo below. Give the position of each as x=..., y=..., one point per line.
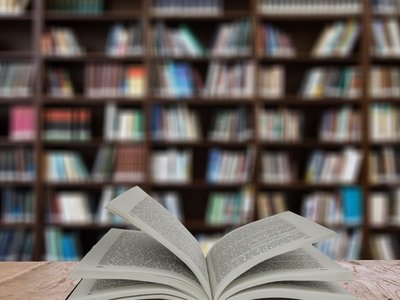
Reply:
x=21, y=38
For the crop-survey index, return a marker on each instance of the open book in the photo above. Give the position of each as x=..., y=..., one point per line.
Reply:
x=269, y=258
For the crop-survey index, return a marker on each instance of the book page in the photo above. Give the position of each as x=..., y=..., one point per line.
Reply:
x=105, y=289
x=133, y=255
x=302, y=290
x=148, y=215
x=303, y=264
x=249, y=245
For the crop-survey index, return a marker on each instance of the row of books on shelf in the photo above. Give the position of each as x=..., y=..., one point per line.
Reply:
x=386, y=36
x=13, y=7
x=383, y=122
x=294, y=7
x=234, y=208
x=77, y=6
x=17, y=165
x=384, y=208
x=384, y=166
x=16, y=79
x=68, y=124
x=188, y=7
x=384, y=82
x=386, y=6
x=16, y=245
x=338, y=39
x=17, y=206
x=60, y=245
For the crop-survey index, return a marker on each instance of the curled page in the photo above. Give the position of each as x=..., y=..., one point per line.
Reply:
x=152, y=218
x=249, y=245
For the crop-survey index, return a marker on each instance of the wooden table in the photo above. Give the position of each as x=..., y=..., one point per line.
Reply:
x=48, y=280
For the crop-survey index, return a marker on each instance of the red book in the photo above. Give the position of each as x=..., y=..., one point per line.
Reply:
x=22, y=123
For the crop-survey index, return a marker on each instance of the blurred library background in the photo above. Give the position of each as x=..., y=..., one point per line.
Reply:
x=225, y=111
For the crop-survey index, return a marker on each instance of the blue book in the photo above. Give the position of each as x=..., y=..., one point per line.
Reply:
x=156, y=122
x=212, y=172
x=352, y=203
x=67, y=250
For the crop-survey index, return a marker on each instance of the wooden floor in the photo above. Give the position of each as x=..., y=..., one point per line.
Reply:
x=49, y=280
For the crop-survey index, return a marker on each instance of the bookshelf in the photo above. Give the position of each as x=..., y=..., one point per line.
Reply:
x=92, y=31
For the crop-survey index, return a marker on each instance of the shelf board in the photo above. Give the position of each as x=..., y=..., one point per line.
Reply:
x=307, y=59
x=306, y=102
x=80, y=100
x=309, y=144
x=17, y=17
x=87, y=144
x=6, y=142
x=385, y=227
x=193, y=17
x=102, y=17
x=210, y=101
x=304, y=185
x=394, y=100
x=198, y=184
x=15, y=55
x=201, y=144
x=16, y=100
x=90, y=185
x=89, y=57
x=16, y=225
x=86, y=226
x=311, y=17
x=200, y=59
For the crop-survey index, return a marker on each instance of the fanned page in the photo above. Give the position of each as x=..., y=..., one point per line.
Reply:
x=304, y=264
x=249, y=245
x=148, y=215
x=106, y=289
x=133, y=255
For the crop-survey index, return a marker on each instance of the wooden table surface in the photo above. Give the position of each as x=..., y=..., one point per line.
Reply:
x=48, y=280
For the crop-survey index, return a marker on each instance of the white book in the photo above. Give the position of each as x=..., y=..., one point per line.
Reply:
x=378, y=209
x=352, y=162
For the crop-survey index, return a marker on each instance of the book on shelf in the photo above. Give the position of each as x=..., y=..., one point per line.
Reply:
x=280, y=125
x=65, y=166
x=61, y=41
x=22, y=123
x=233, y=39
x=340, y=125
x=125, y=40
x=307, y=7
x=275, y=42
x=17, y=206
x=277, y=167
x=272, y=81
x=230, y=80
x=384, y=208
x=187, y=7
x=172, y=202
x=171, y=166
x=384, y=82
x=177, y=80
x=13, y=7
x=383, y=122
x=344, y=246
x=77, y=6
x=67, y=124
x=230, y=208
x=332, y=82
x=231, y=125
x=17, y=164
x=175, y=123
x=16, y=80
x=384, y=165
x=334, y=208
x=384, y=246
x=59, y=83
x=103, y=216
x=120, y=163
x=271, y=203
x=337, y=39
x=115, y=80
x=62, y=246
x=176, y=267
x=230, y=166
x=177, y=41
x=334, y=166
x=130, y=163
x=123, y=124
x=385, y=7
x=386, y=37
x=16, y=244
x=67, y=207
